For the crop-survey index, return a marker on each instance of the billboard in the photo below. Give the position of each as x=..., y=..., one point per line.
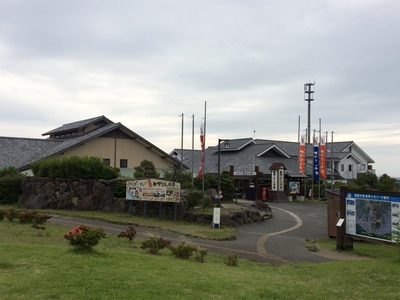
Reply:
x=372, y=215
x=153, y=190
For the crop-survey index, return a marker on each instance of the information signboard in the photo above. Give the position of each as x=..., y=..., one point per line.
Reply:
x=153, y=190
x=372, y=215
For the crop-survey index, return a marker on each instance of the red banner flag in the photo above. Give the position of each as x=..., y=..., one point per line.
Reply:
x=200, y=173
x=302, y=155
x=322, y=159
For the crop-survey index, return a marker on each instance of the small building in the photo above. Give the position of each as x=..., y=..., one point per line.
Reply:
x=249, y=161
x=116, y=144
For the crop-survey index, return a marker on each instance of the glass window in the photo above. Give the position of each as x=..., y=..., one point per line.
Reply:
x=106, y=161
x=342, y=167
x=123, y=163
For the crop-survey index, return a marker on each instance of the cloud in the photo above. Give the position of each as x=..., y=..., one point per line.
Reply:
x=144, y=63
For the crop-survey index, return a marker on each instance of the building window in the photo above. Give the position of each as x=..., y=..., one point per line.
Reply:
x=342, y=167
x=350, y=168
x=362, y=167
x=123, y=163
x=106, y=161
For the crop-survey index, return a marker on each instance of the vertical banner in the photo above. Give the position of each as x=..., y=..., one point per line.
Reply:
x=274, y=180
x=316, y=160
x=322, y=159
x=281, y=180
x=302, y=154
x=200, y=173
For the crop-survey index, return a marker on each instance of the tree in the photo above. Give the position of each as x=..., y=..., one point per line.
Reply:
x=386, y=183
x=146, y=169
x=183, y=177
x=367, y=180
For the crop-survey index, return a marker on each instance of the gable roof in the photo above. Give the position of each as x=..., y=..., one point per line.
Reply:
x=28, y=150
x=261, y=153
x=20, y=152
x=78, y=125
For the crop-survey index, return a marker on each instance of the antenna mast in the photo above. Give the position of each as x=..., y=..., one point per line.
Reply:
x=309, y=96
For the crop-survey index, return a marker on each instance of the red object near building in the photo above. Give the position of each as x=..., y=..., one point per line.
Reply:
x=264, y=194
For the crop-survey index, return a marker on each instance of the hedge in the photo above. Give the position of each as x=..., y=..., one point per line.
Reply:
x=10, y=189
x=86, y=167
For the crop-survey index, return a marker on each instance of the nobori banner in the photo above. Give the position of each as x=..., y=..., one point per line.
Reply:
x=153, y=190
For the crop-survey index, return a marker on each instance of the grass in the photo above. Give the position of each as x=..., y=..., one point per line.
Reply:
x=189, y=229
x=46, y=267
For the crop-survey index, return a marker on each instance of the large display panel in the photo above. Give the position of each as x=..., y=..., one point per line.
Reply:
x=372, y=215
x=153, y=190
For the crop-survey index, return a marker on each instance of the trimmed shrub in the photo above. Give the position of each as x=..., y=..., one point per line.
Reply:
x=83, y=237
x=231, y=260
x=10, y=189
x=182, y=250
x=86, y=167
x=119, y=189
x=129, y=233
x=193, y=198
x=32, y=216
x=155, y=244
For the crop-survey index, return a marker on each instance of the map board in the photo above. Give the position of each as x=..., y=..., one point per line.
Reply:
x=372, y=215
x=153, y=190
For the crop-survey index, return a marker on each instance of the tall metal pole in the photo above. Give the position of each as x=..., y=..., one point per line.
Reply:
x=204, y=125
x=182, y=143
x=192, y=147
x=308, y=91
x=333, y=169
x=219, y=166
x=298, y=131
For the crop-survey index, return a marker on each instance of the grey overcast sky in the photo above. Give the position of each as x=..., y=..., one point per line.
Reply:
x=144, y=63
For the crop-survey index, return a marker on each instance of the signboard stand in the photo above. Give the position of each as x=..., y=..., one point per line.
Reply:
x=130, y=208
x=216, y=217
x=153, y=190
x=145, y=210
x=367, y=215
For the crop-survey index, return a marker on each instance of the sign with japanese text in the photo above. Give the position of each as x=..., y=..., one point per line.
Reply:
x=372, y=215
x=316, y=161
x=302, y=155
x=153, y=190
x=322, y=159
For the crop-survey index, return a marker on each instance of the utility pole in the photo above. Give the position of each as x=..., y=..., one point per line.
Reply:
x=309, y=96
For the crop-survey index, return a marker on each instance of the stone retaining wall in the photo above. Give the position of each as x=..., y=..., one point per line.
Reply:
x=81, y=194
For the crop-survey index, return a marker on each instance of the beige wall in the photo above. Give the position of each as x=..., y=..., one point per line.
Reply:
x=129, y=149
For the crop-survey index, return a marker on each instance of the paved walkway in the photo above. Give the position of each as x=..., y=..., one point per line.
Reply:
x=278, y=240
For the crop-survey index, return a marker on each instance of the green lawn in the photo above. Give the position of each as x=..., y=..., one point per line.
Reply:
x=46, y=267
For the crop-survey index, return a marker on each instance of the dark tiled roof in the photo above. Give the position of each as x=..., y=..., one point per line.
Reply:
x=77, y=125
x=18, y=152
x=72, y=142
x=247, y=153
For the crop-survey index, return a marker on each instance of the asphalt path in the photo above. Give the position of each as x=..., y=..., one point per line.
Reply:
x=277, y=240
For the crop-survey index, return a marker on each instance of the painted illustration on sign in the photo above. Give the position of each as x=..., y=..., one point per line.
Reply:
x=373, y=218
x=294, y=187
x=153, y=190
x=372, y=215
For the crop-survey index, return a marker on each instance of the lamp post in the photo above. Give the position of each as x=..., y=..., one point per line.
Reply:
x=219, y=167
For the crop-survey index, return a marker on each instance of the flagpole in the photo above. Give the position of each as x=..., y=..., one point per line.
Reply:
x=192, y=146
x=205, y=122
